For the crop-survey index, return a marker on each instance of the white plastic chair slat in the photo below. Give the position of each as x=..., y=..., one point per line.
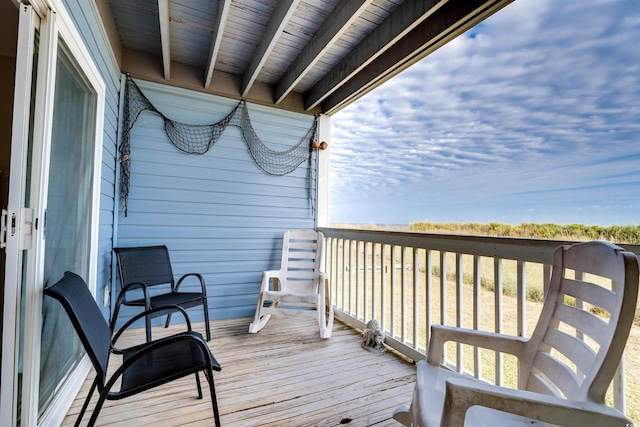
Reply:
x=590, y=293
x=583, y=321
x=572, y=347
x=300, y=274
x=560, y=374
x=304, y=264
x=302, y=245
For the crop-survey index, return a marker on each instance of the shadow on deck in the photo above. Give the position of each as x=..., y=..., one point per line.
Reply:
x=285, y=375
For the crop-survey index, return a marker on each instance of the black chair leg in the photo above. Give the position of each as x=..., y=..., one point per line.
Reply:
x=199, y=387
x=86, y=403
x=214, y=400
x=96, y=410
x=206, y=318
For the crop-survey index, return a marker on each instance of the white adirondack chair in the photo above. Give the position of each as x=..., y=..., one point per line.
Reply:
x=562, y=378
x=300, y=287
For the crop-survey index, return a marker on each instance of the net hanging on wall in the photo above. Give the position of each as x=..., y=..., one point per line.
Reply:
x=198, y=139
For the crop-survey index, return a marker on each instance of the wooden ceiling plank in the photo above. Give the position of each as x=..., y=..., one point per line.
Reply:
x=163, y=16
x=333, y=27
x=216, y=39
x=283, y=13
x=443, y=26
x=405, y=18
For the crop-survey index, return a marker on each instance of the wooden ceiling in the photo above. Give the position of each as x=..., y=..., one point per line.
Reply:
x=304, y=55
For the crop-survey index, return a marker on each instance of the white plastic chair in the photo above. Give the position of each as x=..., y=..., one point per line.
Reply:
x=300, y=287
x=562, y=379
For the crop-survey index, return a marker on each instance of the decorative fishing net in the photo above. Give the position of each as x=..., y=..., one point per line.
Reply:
x=198, y=139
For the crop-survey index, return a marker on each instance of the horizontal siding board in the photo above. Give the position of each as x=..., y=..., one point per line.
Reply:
x=218, y=213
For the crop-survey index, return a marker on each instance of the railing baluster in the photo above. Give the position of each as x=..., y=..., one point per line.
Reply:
x=403, y=294
x=351, y=297
x=416, y=299
x=383, y=296
x=521, y=296
x=443, y=295
x=344, y=275
x=497, y=285
x=459, y=308
x=373, y=280
x=477, y=298
x=429, y=298
x=579, y=275
x=392, y=323
x=358, y=282
x=365, y=275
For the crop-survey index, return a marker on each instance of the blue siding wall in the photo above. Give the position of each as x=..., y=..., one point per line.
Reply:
x=218, y=213
x=87, y=21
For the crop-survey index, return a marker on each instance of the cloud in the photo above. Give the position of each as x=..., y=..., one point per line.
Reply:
x=543, y=95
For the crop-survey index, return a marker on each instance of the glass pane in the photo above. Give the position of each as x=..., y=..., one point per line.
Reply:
x=68, y=216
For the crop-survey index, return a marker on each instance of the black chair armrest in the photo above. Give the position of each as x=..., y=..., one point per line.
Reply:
x=200, y=278
x=135, y=285
x=166, y=309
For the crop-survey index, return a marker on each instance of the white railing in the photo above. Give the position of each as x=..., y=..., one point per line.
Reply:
x=408, y=281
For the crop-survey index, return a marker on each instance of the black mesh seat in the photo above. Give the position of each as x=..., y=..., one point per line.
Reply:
x=143, y=267
x=144, y=366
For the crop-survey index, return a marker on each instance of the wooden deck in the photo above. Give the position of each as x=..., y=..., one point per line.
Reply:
x=283, y=376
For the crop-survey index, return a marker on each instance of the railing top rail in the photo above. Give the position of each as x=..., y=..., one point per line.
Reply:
x=528, y=249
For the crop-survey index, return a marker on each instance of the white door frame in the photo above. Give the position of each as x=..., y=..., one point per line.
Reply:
x=55, y=24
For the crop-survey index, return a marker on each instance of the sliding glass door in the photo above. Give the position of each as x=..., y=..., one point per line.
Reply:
x=55, y=202
x=68, y=215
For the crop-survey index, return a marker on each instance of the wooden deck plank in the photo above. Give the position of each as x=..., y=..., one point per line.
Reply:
x=285, y=375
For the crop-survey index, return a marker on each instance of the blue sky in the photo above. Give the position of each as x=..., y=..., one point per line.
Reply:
x=532, y=116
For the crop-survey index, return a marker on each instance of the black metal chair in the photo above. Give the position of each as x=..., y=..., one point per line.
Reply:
x=144, y=366
x=146, y=266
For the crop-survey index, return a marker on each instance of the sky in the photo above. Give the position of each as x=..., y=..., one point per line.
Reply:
x=531, y=116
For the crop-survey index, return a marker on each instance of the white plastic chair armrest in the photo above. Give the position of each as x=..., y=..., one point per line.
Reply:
x=441, y=334
x=462, y=394
x=266, y=275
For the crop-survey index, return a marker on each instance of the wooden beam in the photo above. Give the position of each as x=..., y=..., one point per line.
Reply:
x=278, y=23
x=333, y=27
x=450, y=21
x=163, y=16
x=406, y=17
x=216, y=39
